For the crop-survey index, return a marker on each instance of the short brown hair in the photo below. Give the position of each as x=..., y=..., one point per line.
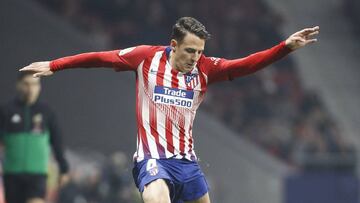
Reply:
x=189, y=24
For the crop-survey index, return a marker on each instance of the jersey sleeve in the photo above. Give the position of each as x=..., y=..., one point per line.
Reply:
x=220, y=69
x=119, y=60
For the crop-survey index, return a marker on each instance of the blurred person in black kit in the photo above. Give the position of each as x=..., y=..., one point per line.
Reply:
x=28, y=129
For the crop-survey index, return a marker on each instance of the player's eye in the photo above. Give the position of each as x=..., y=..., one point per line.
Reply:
x=190, y=51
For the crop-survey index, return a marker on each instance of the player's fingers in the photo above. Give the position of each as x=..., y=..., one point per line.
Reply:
x=309, y=30
x=316, y=28
x=311, y=41
x=313, y=29
x=313, y=33
x=32, y=67
x=298, y=39
x=26, y=68
x=37, y=75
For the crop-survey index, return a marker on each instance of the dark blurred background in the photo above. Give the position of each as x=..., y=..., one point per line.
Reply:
x=290, y=133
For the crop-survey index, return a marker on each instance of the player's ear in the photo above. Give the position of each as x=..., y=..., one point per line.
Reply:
x=173, y=44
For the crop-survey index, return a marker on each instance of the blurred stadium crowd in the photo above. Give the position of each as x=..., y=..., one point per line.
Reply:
x=270, y=108
x=351, y=10
x=96, y=178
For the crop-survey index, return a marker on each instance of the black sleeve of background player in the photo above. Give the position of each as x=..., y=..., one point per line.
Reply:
x=56, y=143
x=2, y=123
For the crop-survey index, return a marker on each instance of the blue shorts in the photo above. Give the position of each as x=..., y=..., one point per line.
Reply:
x=185, y=180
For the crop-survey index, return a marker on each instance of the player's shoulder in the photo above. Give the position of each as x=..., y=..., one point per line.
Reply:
x=156, y=47
x=142, y=48
x=206, y=62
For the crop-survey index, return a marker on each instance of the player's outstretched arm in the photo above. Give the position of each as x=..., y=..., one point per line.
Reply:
x=120, y=60
x=224, y=69
x=302, y=38
x=84, y=60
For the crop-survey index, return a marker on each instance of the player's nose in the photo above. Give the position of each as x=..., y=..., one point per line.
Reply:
x=195, y=58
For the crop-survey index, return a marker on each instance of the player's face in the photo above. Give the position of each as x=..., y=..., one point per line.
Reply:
x=29, y=89
x=187, y=52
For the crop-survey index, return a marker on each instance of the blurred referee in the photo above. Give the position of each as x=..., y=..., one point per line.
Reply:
x=27, y=129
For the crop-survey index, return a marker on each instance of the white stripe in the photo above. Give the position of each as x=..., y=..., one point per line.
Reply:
x=181, y=79
x=153, y=69
x=146, y=107
x=155, y=62
x=140, y=151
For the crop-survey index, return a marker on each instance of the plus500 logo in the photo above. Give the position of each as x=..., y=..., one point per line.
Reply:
x=173, y=96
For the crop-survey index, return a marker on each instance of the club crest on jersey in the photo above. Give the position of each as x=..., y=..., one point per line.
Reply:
x=191, y=80
x=173, y=96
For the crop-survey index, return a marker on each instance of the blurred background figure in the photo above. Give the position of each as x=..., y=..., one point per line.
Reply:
x=28, y=131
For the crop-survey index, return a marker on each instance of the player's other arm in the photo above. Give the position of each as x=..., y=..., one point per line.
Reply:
x=120, y=60
x=222, y=69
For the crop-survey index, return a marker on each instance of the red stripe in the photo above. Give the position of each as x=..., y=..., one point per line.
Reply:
x=169, y=136
x=190, y=135
x=161, y=71
x=182, y=135
x=202, y=81
x=174, y=79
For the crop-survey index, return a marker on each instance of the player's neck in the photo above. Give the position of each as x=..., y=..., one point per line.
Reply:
x=171, y=60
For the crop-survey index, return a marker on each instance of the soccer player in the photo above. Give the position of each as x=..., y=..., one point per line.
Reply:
x=27, y=130
x=171, y=82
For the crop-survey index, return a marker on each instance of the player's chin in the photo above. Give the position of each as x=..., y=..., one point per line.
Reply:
x=188, y=68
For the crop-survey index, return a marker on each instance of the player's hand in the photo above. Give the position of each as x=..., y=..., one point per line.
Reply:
x=39, y=69
x=302, y=38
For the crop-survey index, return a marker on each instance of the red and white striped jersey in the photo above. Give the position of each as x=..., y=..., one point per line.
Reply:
x=166, y=99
